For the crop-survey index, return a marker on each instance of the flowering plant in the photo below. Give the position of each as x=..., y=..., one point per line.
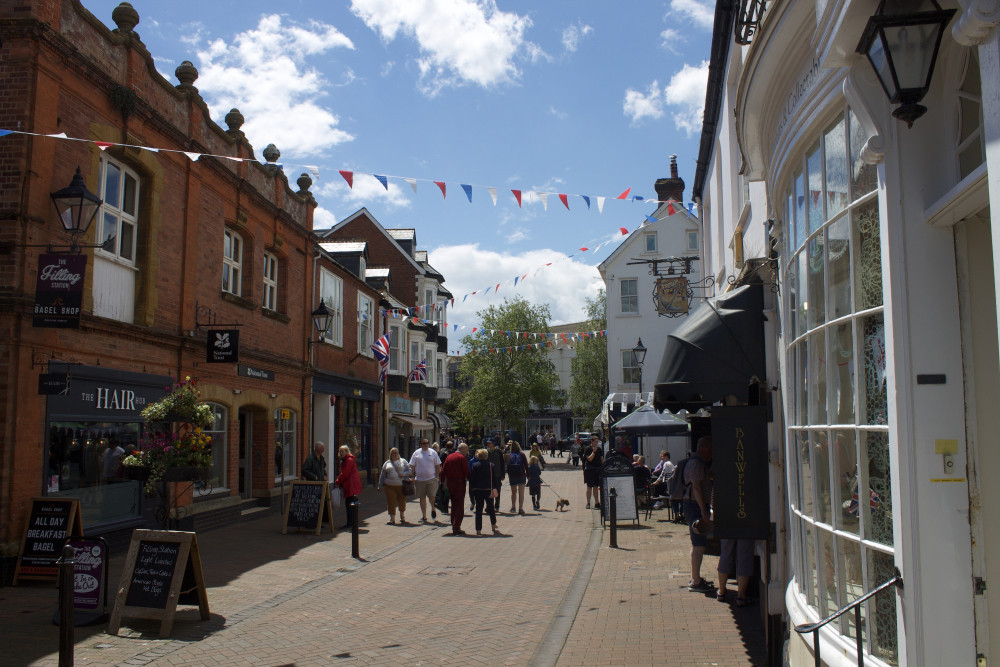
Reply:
x=185, y=446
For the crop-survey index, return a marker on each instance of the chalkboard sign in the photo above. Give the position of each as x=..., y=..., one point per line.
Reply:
x=50, y=522
x=162, y=570
x=617, y=474
x=306, y=504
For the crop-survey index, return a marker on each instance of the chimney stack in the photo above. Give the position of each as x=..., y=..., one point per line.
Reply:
x=670, y=188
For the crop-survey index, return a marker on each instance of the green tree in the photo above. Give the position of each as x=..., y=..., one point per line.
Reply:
x=590, y=365
x=507, y=375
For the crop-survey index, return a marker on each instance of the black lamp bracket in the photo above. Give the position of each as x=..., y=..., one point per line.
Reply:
x=211, y=318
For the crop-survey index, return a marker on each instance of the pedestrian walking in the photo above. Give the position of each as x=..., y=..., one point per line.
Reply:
x=427, y=468
x=495, y=456
x=593, y=461
x=536, y=451
x=517, y=473
x=574, y=452
x=535, y=482
x=455, y=474
x=314, y=467
x=484, y=487
x=349, y=482
x=395, y=472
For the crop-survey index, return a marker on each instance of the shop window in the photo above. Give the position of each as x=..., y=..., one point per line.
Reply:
x=84, y=461
x=219, y=432
x=838, y=439
x=366, y=324
x=269, y=300
x=629, y=295
x=117, y=228
x=331, y=291
x=284, y=439
x=232, y=263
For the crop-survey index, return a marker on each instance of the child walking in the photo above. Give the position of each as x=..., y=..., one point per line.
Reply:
x=535, y=482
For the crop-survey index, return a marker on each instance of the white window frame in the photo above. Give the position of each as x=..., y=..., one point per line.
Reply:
x=115, y=209
x=366, y=324
x=232, y=263
x=630, y=369
x=397, y=348
x=414, y=356
x=429, y=356
x=692, y=241
x=625, y=301
x=647, y=237
x=331, y=292
x=269, y=300
x=219, y=432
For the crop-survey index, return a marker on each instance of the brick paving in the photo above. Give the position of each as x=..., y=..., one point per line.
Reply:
x=549, y=592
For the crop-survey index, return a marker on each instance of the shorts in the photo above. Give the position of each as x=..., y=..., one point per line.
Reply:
x=692, y=512
x=592, y=477
x=736, y=556
x=426, y=489
x=519, y=480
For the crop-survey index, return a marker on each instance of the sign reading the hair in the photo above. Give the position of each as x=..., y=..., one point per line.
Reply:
x=59, y=291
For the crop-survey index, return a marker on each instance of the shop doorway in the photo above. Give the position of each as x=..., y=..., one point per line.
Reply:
x=245, y=447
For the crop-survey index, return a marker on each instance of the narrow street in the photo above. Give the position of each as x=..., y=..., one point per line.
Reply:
x=549, y=592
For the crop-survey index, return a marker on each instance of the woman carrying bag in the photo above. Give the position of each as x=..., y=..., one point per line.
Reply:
x=395, y=475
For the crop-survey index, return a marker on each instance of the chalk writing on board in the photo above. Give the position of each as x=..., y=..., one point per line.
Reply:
x=154, y=568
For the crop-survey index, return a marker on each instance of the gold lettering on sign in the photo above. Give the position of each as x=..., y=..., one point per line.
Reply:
x=741, y=508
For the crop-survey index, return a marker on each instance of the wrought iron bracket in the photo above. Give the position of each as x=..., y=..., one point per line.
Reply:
x=211, y=318
x=748, y=19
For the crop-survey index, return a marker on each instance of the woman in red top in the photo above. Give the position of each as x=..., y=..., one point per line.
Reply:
x=348, y=481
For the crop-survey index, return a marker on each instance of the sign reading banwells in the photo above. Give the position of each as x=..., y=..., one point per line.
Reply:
x=59, y=291
x=740, y=468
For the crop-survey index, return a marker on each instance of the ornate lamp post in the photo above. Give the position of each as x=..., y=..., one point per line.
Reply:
x=639, y=354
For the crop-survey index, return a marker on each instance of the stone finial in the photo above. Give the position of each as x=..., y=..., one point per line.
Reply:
x=234, y=121
x=271, y=153
x=304, y=182
x=670, y=188
x=187, y=74
x=125, y=17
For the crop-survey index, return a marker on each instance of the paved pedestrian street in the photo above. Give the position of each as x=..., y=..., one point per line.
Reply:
x=550, y=591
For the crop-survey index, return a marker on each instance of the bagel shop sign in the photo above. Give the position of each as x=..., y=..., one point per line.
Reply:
x=59, y=291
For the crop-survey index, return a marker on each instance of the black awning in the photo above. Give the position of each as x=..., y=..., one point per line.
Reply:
x=717, y=352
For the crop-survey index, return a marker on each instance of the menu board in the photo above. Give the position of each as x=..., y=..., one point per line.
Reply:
x=162, y=569
x=90, y=579
x=50, y=522
x=306, y=504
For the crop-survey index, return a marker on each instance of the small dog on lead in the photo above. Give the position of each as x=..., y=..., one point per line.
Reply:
x=561, y=503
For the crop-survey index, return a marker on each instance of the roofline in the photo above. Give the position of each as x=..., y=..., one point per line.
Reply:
x=364, y=211
x=722, y=33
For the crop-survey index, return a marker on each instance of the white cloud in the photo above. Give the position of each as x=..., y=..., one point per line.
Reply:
x=671, y=38
x=572, y=35
x=324, y=219
x=638, y=105
x=274, y=87
x=561, y=115
x=461, y=41
x=366, y=188
x=700, y=12
x=687, y=91
x=552, y=278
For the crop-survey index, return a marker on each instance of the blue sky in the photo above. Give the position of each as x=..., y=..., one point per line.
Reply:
x=581, y=97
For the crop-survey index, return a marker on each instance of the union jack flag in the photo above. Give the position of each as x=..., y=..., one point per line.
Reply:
x=874, y=500
x=381, y=350
x=419, y=374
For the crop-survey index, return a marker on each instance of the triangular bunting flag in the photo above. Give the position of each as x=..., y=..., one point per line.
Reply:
x=586, y=199
x=564, y=200
x=413, y=184
x=623, y=231
x=515, y=281
x=600, y=204
x=441, y=185
x=313, y=171
x=636, y=198
x=4, y=133
x=517, y=196
x=584, y=249
x=651, y=219
x=193, y=156
x=349, y=177
x=624, y=194
x=544, y=196
x=493, y=195
x=383, y=180
x=468, y=191
x=670, y=209
x=103, y=145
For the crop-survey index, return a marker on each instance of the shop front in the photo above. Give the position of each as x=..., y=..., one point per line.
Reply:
x=405, y=425
x=90, y=425
x=344, y=410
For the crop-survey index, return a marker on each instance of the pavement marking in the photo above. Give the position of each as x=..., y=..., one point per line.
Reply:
x=550, y=647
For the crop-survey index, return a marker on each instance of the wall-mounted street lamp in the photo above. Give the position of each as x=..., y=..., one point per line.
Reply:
x=639, y=355
x=901, y=42
x=322, y=319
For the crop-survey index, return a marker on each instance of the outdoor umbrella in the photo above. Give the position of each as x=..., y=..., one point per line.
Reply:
x=647, y=421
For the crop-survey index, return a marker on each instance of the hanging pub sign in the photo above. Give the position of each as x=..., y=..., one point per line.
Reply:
x=672, y=296
x=740, y=468
x=59, y=291
x=223, y=346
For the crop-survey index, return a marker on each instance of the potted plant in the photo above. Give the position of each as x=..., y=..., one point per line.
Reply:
x=176, y=448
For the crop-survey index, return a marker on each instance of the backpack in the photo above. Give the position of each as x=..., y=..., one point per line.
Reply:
x=675, y=483
x=515, y=465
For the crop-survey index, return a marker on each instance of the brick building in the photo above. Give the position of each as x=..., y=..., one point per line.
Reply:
x=190, y=243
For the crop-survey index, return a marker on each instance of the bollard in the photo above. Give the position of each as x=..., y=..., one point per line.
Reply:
x=67, y=567
x=355, y=546
x=613, y=511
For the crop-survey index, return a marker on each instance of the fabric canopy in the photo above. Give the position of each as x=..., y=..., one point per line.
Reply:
x=417, y=424
x=719, y=351
x=441, y=419
x=647, y=421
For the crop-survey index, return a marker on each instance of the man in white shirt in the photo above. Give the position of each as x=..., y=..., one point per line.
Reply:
x=426, y=465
